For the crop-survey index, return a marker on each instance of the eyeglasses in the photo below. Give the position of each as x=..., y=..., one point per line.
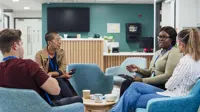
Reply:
x=57, y=39
x=162, y=37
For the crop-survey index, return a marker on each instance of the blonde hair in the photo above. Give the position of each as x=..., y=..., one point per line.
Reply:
x=191, y=39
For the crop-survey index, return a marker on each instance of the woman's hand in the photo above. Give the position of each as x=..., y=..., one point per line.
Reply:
x=66, y=75
x=53, y=74
x=137, y=79
x=132, y=68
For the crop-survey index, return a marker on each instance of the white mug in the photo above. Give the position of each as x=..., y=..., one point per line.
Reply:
x=98, y=98
x=65, y=36
x=78, y=35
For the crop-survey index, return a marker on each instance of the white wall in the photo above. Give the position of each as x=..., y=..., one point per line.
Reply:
x=28, y=14
x=1, y=22
x=11, y=25
x=167, y=14
x=1, y=18
x=198, y=13
x=1, y=15
x=186, y=13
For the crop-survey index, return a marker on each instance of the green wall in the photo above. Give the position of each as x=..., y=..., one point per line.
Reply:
x=101, y=14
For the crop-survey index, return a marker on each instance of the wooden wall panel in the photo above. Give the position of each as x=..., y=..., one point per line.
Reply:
x=84, y=51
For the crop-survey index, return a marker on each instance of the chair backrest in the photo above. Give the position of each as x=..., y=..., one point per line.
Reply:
x=196, y=92
x=139, y=61
x=21, y=100
x=89, y=76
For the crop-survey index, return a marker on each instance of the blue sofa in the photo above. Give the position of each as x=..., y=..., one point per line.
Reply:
x=21, y=100
x=90, y=76
x=116, y=70
x=189, y=103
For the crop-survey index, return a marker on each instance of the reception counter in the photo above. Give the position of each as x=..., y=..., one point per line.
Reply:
x=92, y=51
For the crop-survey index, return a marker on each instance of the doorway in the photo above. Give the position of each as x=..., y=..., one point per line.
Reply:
x=6, y=21
x=31, y=29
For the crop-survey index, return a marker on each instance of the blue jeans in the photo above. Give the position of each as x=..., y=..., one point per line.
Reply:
x=136, y=96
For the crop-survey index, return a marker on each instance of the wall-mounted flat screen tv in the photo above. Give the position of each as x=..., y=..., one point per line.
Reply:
x=68, y=19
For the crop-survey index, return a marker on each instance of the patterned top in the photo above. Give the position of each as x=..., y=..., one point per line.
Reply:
x=184, y=77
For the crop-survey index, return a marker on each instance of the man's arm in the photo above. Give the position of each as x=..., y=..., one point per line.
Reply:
x=49, y=84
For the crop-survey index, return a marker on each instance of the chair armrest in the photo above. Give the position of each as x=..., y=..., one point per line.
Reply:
x=107, y=84
x=76, y=107
x=112, y=71
x=175, y=104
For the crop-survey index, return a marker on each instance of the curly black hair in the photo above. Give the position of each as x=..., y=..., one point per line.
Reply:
x=171, y=32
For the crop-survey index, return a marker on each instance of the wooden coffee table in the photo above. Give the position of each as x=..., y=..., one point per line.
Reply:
x=90, y=105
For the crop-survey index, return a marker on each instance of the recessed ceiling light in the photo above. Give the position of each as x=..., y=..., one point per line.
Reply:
x=26, y=8
x=15, y=0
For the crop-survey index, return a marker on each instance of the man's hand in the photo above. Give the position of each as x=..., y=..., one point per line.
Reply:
x=137, y=79
x=132, y=68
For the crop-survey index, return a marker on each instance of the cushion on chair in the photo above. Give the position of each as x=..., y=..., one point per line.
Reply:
x=118, y=80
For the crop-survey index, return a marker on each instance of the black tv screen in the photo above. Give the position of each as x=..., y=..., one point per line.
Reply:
x=146, y=42
x=66, y=19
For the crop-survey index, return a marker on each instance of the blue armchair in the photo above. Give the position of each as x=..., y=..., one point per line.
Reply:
x=21, y=100
x=90, y=76
x=114, y=71
x=189, y=103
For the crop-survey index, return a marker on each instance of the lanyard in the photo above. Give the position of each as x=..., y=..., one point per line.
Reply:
x=159, y=56
x=48, y=98
x=153, y=72
x=9, y=57
x=51, y=64
x=54, y=68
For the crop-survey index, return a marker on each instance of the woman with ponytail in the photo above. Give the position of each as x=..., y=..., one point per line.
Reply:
x=184, y=77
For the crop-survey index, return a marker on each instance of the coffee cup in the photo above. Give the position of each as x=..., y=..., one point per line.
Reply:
x=86, y=94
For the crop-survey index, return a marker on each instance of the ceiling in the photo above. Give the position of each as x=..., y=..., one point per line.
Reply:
x=35, y=5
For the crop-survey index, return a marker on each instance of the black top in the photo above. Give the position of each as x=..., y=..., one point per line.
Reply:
x=53, y=60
